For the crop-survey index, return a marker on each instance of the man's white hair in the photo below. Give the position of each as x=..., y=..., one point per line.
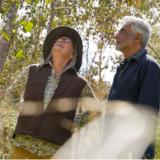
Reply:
x=138, y=25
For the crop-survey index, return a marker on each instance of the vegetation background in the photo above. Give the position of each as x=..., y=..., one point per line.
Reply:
x=25, y=23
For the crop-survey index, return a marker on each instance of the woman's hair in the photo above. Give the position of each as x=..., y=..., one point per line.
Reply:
x=138, y=25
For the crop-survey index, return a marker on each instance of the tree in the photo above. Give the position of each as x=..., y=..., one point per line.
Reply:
x=7, y=33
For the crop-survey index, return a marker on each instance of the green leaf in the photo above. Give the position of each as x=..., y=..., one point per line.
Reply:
x=54, y=24
x=28, y=26
x=48, y=1
x=29, y=1
x=36, y=1
x=20, y=54
x=13, y=30
x=6, y=36
x=23, y=22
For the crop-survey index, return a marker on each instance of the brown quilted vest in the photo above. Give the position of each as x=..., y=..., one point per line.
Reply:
x=55, y=122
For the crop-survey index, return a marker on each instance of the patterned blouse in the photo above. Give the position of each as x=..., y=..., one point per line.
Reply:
x=37, y=146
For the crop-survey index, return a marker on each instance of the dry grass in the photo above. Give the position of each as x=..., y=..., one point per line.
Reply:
x=7, y=125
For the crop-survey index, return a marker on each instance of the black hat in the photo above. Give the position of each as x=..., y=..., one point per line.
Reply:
x=64, y=31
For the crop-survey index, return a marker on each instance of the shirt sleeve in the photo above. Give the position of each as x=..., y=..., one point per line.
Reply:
x=85, y=112
x=14, y=93
x=150, y=90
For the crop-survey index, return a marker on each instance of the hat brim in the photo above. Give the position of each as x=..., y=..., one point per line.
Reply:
x=64, y=31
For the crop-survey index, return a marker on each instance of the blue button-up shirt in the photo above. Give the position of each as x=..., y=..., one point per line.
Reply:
x=137, y=80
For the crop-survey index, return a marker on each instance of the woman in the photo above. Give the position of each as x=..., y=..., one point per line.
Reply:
x=52, y=97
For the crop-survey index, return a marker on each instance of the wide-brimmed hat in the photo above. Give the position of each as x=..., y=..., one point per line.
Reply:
x=64, y=31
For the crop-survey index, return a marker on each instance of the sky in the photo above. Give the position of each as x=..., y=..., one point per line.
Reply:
x=108, y=51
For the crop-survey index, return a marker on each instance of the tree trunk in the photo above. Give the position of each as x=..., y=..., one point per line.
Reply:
x=7, y=30
x=52, y=15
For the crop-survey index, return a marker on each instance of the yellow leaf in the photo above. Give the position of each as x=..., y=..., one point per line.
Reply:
x=6, y=36
x=13, y=30
x=48, y=1
x=29, y=1
x=28, y=26
x=20, y=54
x=138, y=3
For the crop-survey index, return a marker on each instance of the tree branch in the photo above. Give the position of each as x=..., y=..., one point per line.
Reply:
x=154, y=51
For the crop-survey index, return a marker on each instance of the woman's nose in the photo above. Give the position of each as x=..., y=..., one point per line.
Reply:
x=116, y=35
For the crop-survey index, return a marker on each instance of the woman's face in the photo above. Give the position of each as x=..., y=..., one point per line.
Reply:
x=63, y=48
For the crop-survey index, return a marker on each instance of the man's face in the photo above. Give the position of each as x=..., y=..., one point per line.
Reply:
x=63, y=47
x=124, y=38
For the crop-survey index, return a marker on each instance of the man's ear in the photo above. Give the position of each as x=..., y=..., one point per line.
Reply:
x=138, y=38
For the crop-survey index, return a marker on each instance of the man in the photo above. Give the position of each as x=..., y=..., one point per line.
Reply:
x=52, y=97
x=137, y=79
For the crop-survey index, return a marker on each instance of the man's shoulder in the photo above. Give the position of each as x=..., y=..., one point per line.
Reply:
x=152, y=62
x=150, y=65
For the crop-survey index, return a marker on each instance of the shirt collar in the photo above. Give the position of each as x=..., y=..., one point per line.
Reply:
x=135, y=57
x=69, y=66
x=138, y=55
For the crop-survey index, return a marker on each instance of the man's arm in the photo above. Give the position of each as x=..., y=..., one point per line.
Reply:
x=150, y=89
x=150, y=96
